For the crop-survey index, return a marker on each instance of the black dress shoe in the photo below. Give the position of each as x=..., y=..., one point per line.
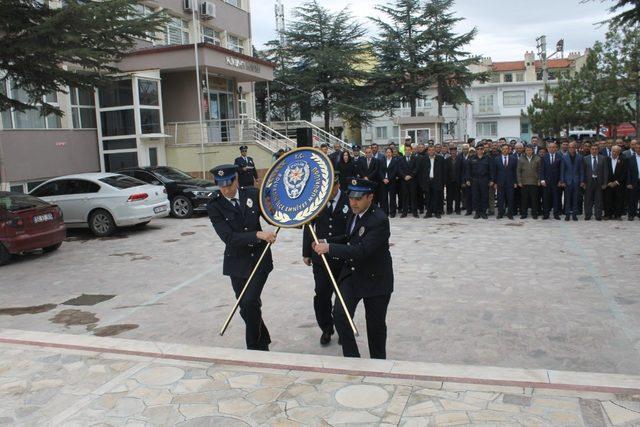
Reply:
x=325, y=339
x=598, y=219
x=567, y=218
x=427, y=215
x=500, y=216
x=404, y=215
x=587, y=218
x=471, y=213
x=556, y=217
x=545, y=216
x=415, y=215
x=484, y=216
x=438, y=216
x=630, y=218
x=458, y=212
x=476, y=216
x=534, y=216
x=510, y=216
x=575, y=217
x=523, y=217
x=393, y=215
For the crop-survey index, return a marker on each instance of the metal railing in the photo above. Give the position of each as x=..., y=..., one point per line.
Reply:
x=320, y=136
x=237, y=131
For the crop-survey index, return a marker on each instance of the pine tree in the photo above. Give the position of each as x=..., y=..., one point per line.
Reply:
x=326, y=49
x=447, y=61
x=400, y=51
x=44, y=50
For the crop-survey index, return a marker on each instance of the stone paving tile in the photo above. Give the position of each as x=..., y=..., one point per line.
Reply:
x=34, y=391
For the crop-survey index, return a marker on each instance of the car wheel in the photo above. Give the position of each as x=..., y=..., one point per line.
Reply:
x=181, y=207
x=5, y=256
x=101, y=223
x=52, y=248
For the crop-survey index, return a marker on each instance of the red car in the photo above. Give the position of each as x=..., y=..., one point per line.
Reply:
x=28, y=223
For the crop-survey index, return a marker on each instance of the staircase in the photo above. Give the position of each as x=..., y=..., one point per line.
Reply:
x=320, y=136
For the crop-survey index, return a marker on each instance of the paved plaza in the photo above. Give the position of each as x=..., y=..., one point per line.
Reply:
x=78, y=381
x=524, y=294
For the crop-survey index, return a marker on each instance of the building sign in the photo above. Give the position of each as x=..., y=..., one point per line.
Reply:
x=242, y=64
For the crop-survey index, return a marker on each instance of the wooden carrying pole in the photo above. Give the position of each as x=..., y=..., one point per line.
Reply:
x=246, y=285
x=335, y=284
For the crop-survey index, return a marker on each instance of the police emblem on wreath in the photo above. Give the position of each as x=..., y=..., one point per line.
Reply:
x=296, y=188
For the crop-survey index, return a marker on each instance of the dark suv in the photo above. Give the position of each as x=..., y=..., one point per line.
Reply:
x=186, y=194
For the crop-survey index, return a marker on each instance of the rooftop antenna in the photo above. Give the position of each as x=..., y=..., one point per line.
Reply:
x=279, y=9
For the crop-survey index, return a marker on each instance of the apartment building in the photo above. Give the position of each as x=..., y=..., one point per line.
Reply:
x=496, y=108
x=129, y=123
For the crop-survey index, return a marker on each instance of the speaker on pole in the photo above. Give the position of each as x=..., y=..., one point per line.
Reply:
x=304, y=137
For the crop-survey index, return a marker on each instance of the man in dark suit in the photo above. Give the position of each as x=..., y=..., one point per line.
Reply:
x=466, y=190
x=505, y=180
x=478, y=177
x=614, y=193
x=431, y=179
x=330, y=226
x=247, y=173
x=550, y=181
x=387, y=177
x=633, y=182
x=454, y=179
x=595, y=179
x=367, y=273
x=336, y=155
x=369, y=166
x=408, y=176
x=375, y=150
x=235, y=214
x=571, y=177
x=357, y=159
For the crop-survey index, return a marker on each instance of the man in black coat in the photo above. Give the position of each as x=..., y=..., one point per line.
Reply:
x=336, y=155
x=614, y=193
x=408, y=172
x=247, y=173
x=235, y=214
x=369, y=166
x=367, y=273
x=454, y=180
x=387, y=177
x=330, y=226
x=478, y=177
x=431, y=178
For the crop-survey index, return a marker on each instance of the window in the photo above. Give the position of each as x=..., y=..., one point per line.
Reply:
x=487, y=129
x=485, y=104
x=508, y=78
x=148, y=92
x=209, y=35
x=33, y=184
x=381, y=132
x=117, y=94
x=176, y=31
x=153, y=157
x=31, y=118
x=524, y=128
x=17, y=188
x=235, y=43
x=122, y=181
x=117, y=161
x=80, y=186
x=83, y=110
x=235, y=3
x=495, y=78
x=515, y=98
x=142, y=11
x=117, y=123
x=119, y=144
x=242, y=104
x=519, y=77
x=395, y=132
x=149, y=120
x=54, y=188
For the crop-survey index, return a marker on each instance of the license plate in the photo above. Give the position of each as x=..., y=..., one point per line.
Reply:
x=159, y=209
x=42, y=218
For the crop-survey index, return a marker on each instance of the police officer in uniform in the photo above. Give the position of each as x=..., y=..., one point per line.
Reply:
x=330, y=226
x=234, y=212
x=367, y=273
x=247, y=173
x=479, y=178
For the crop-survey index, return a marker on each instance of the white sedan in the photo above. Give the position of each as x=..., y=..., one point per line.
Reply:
x=104, y=201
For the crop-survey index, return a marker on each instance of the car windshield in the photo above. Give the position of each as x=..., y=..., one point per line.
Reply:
x=18, y=202
x=171, y=174
x=122, y=182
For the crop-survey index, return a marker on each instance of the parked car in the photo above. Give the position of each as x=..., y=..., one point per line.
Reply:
x=186, y=194
x=104, y=201
x=28, y=223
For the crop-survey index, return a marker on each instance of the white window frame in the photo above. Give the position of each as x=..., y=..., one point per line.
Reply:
x=504, y=77
x=183, y=28
x=214, y=37
x=233, y=45
x=13, y=112
x=510, y=95
x=484, y=107
x=481, y=128
x=519, y=77
x=144, y=10
x=79, y=107
x=381, y=132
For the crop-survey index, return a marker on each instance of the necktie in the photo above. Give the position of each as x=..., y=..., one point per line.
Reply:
x=330, y=206
x=552, y=157
x=594, y=166
x=368, y=162
x=355, y=222
x=505, y=161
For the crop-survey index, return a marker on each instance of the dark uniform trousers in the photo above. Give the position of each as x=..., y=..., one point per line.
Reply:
x=529, y=200
x=322, y=300
x=453, y=197
x=256, y=333
x=480, y=194
x=551, y=198
x=375, y=315
x=388, y=197
x=409, y=195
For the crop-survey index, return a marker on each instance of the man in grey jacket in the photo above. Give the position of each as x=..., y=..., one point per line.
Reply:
x=596, y=176
x=529, y=167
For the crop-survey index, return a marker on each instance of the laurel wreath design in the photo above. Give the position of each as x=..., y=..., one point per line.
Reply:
x=302, y=215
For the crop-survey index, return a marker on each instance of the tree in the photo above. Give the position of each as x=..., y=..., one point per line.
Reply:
x=326, y=49
x=447, y=62
x=400, y=73
x=628, y=17
x=560, y=112
x=44, y=50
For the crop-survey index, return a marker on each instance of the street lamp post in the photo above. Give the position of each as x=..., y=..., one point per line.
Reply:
x=196, y=38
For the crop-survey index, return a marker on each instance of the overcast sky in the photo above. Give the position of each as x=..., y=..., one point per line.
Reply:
x=506, y=29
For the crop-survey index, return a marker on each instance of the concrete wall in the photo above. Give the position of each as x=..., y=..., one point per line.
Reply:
x=38, y=154
x=187, y=158
x=179, y=94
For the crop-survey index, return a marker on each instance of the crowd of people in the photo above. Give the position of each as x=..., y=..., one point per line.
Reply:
x=547, y=179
